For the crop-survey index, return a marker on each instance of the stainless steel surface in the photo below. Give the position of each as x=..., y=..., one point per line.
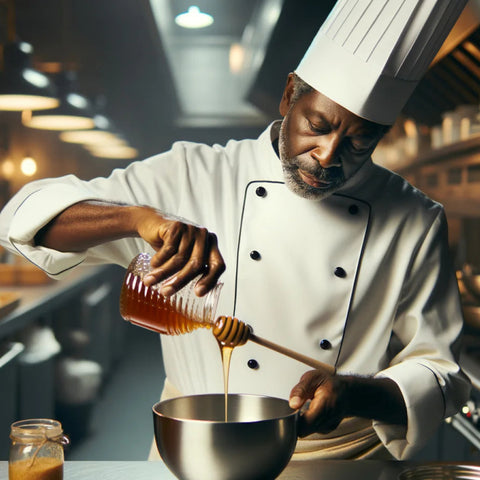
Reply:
x=97, y=470
x=41, y=300
x=196, y=443
x=466, y=428
x=441, y=472
x=315, y=470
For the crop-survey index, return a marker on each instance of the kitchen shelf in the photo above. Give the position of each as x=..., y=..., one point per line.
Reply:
x=450, y=175
x=447, y=152
x=36, y=301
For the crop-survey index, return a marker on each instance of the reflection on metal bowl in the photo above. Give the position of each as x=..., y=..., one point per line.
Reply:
x=441, y=472
x=196, y=443
x=471, y=315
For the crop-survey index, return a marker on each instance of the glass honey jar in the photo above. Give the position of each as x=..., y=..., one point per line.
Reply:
x=179, y=313
x=36, y=450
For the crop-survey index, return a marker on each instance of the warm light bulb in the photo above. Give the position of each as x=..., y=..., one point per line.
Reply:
x=28, y=166
x=410, y=128
x=193, y=18
x=8, y=168
x=236, y=57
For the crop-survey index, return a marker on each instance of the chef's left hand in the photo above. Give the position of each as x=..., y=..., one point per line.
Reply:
x=334, y=397
x=327, y=405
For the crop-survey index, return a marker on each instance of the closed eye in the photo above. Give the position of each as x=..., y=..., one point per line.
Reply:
x=319, y=129
x=360, y=146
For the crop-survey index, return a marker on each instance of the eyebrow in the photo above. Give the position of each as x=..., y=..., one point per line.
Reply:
x=366, y=136
x=319, y=116
x=368, y=131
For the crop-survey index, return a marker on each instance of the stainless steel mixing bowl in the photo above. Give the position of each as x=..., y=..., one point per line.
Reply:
x=196, y=443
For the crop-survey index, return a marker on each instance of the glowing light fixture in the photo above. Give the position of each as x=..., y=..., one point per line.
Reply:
x=8, y=168
x=22, y=87
x=236, y=57
x=90, y=137
x=73, y=113
x=99, y=135
x=193, y=18
x=410, y=128
x=121, y=152
x=28, y=166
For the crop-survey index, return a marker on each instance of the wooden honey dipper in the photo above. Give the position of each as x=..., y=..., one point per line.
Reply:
x=232, y=332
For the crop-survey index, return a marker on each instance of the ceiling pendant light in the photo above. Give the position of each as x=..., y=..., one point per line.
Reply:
x=193, y=18
x=101, y=134
x=73, y=113
x=90, y=137
x=22, y=87
x=120, y=152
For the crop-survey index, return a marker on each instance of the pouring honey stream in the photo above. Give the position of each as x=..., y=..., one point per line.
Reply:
x=181, y=313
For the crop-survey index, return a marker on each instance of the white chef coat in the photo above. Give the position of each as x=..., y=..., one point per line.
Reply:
x=344, y=279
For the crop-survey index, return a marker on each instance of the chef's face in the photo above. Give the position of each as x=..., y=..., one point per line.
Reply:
x=322, y=144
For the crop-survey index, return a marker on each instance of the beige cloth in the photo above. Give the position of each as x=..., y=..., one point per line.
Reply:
x=353, y=439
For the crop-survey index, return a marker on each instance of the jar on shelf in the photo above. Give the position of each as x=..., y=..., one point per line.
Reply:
x=468, y=115
x=436, y=136
x=36, y=450
x=451, y=127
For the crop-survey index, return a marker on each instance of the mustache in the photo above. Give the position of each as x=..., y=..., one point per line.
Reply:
x=313, y=168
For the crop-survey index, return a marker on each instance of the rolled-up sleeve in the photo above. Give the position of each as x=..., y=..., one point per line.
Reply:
x=31, y=209
x=428, y=324
x=152, y=182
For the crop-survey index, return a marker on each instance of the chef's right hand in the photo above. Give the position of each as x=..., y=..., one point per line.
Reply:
x=183, y=252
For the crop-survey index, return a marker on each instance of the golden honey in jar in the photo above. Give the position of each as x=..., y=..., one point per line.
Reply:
x=180, y=313
x=36, y=450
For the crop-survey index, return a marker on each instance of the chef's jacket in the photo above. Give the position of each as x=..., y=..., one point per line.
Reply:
x=360, y=280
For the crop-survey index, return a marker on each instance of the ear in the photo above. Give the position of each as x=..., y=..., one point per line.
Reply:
x=285, y=102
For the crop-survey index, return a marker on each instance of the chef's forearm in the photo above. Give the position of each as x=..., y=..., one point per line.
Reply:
x=374, y=398
x=87, y=224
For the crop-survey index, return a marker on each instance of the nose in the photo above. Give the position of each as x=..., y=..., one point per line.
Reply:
x=325, y=152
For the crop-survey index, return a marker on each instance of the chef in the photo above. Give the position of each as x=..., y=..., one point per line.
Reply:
x=319, y=249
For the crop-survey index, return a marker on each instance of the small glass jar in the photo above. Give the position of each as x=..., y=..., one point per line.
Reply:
x=36, y=450
x=179, y=313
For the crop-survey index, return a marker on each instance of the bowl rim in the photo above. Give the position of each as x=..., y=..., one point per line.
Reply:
x=292, y=413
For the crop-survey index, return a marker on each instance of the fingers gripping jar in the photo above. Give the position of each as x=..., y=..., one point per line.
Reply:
x=36, y=450
x=180, y=313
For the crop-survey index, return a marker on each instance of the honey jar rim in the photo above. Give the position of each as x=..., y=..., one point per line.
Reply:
x=36, y=428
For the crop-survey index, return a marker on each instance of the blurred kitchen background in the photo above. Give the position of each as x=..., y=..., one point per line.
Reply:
x=134, y=75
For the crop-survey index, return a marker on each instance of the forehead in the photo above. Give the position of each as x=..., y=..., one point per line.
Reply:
x=321, y=108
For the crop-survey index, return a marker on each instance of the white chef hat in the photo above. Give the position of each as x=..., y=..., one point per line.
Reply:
x=369, y=55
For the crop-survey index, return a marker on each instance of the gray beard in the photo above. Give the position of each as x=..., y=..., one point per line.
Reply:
x=294, y=182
